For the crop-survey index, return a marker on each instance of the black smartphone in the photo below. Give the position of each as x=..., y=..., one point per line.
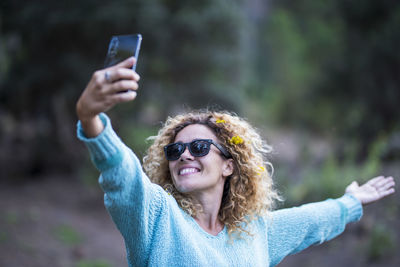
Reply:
x=121, y=47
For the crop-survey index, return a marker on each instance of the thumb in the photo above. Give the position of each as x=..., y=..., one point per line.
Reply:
x=351, y=186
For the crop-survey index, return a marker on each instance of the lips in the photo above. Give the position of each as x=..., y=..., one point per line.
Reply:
x=188, y=170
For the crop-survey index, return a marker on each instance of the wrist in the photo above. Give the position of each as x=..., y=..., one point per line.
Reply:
x=82, y=113
x=92, y=126
x=354, y=196
x=353, y=207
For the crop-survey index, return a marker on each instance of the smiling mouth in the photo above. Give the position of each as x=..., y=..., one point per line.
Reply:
x=187, y=171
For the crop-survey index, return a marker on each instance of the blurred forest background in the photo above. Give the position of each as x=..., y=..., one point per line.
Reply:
x=320, y=79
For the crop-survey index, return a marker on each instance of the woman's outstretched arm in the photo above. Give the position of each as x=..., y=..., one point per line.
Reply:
x=373, y=190
x=292, y=230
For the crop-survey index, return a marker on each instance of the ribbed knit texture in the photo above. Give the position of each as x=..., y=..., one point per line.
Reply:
x=157, y=232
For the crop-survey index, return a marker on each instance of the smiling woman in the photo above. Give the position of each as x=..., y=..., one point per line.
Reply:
x=246, y=191
x=209, y=198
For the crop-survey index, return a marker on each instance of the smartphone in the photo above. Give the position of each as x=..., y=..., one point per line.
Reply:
x=121, y=47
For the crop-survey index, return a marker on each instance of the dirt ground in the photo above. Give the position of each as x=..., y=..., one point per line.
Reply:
x=57, y=222
x=61, y=222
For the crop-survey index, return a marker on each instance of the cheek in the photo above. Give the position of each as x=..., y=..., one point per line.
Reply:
x=172, y=164
x=171, y=167
x=172, y=171
x=212, y=164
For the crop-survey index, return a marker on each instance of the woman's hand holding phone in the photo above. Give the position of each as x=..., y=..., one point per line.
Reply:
x=106, y=88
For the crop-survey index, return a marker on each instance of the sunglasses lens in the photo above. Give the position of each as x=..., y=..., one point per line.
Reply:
x=174, y=151
x=199, y=148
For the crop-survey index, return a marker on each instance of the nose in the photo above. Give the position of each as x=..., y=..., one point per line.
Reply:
x=186, y=154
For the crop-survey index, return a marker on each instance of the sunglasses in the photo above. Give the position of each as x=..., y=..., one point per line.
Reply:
x=198, y=148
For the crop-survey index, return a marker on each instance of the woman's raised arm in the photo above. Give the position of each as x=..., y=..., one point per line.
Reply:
x=106, y=88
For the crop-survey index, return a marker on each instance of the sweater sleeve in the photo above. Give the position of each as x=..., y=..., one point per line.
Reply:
x=133, y=202
x=294, y=229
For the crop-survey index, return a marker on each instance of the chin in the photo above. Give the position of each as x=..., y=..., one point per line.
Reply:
x=182, y=185
x=185, y=187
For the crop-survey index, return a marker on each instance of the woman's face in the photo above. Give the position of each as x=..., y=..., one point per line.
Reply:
x=199, y=174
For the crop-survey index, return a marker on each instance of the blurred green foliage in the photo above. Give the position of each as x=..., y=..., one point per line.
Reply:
x=192, y=54
x=331, y=67
x=329, y=178
x=382, y=242
x=11, y=217
x=3, y=237
x=326, y=68
x=67, y=235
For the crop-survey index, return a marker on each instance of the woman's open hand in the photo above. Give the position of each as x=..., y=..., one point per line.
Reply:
x=106, y=88
x=373, y=190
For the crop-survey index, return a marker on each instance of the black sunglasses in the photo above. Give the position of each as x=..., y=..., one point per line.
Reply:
x=198, y=148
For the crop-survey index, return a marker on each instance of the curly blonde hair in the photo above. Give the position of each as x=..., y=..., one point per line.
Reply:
x=248, y=192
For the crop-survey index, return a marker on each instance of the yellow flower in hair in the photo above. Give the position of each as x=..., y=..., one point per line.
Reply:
x=220, y=121
x=236, y=140
x=261, y=170
x=168, y=190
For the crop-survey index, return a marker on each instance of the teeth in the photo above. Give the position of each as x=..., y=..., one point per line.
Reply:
x=187, y=170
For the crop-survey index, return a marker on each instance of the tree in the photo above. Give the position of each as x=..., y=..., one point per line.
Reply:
x=191, y=54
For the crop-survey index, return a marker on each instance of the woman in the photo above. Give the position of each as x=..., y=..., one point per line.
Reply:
x=209, y=197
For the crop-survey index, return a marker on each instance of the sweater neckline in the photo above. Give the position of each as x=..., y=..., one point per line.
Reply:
x=220, y=235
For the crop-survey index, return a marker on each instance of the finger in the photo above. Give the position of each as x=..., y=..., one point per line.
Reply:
x=127, y=63
x=383, y=182
x=387, y=192
x=124, y=97
x=98, y=79
x=123, y=85
x=123, y=74
x=390, y=178
x=375, y=180
x=388, y=184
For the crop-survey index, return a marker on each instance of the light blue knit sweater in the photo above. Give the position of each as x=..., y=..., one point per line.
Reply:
x=157, y=232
